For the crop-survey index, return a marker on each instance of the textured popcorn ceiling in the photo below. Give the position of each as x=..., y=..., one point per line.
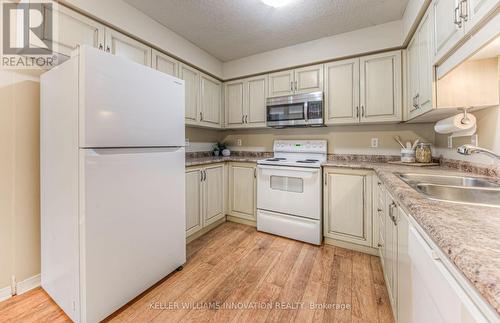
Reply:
x=231, y=29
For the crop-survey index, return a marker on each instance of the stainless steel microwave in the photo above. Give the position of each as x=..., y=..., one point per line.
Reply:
x=300, y=110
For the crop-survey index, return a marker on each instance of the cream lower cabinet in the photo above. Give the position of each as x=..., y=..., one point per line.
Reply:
x=420, y=286
x=204, y=196
x=347, y=205
x=242, y=190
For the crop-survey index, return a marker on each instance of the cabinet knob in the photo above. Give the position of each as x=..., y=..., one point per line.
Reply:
x=380, y=245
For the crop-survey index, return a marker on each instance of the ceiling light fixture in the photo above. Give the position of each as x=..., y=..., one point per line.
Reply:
x=276, y=3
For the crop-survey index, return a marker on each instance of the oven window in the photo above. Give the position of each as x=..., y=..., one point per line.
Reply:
x=285, y=112
x=287, y=184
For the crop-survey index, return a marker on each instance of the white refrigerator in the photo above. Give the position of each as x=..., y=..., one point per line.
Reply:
x=112, y=181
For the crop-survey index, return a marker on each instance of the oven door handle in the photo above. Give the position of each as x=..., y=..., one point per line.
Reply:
x=287, y=172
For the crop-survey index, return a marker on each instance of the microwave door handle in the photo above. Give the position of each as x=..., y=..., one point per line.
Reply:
x=306, y=108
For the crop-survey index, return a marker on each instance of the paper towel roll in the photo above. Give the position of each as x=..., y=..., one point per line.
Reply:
x=454, y=124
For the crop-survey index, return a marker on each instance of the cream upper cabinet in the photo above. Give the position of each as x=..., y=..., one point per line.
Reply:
x=342, y=92
x=210, y=101
x=255, y=99
x=425, y=66
x=281, y=83
x=301, y=80
x=71, y=29
x=452, y=19
x=447, y=24
x=308, y=79
x=213, y=193
x=234, y=104
x=124, y=46
x=381, y=87
x=242, y=190
x=194, y=214
x=412, y=60
x=420, y=69
x=191, y=79
x=477, y=10
x=348, y=205
x=164, y=63
x=245, y=102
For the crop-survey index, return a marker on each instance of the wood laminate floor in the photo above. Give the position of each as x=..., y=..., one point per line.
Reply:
x=236, y=274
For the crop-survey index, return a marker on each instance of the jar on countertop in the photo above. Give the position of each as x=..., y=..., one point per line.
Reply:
x=423, y=153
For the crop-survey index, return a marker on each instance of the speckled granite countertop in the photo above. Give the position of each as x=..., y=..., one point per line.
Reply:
x=468, y=235
x=196, y=161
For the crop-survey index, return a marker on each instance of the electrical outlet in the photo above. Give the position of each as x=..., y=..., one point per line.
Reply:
x=374, y=142
x=238, y=142
x=474, y=140
x=187, y=142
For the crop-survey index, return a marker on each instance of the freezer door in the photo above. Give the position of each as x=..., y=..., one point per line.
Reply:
x=132, y=222
x=125, y=104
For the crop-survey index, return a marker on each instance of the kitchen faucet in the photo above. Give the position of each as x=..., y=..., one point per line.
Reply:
x=470, y=149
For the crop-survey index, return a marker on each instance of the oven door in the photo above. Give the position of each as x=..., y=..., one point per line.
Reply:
x=287, y=114
x=290, y=190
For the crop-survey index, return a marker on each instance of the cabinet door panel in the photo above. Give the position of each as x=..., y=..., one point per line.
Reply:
x=280, y=83
x=256, y=101
x=242, y=190
x=210, y=101
x=413, y=83
x=348, y=206
x=165, y=64
x=477, y=10
x=71, y=29
x=380, y=82
x=120, y=45
x=308, y=79
x=192, y=82
x=446, y=32
x=342, y=92
x=213, y=200
x=194, y=221
x=234, y=104
x=425, y=73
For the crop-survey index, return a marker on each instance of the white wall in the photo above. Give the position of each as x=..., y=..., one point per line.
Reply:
x=356, y=42
x=127, y=18
x=414, y=9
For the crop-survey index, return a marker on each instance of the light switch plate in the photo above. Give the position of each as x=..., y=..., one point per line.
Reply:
x=187, y=142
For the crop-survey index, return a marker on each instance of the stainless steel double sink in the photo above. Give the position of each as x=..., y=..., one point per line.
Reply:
x=458, y=189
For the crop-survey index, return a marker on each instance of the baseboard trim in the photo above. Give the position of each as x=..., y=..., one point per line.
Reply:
x=251, y=223
x=351, y=246
x=5, y=293
x=28, y=284
x=205, y=230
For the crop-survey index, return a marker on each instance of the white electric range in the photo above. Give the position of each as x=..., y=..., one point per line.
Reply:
x=289, y=190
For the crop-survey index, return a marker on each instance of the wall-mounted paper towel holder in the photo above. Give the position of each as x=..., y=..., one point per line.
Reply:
x=459, y=125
